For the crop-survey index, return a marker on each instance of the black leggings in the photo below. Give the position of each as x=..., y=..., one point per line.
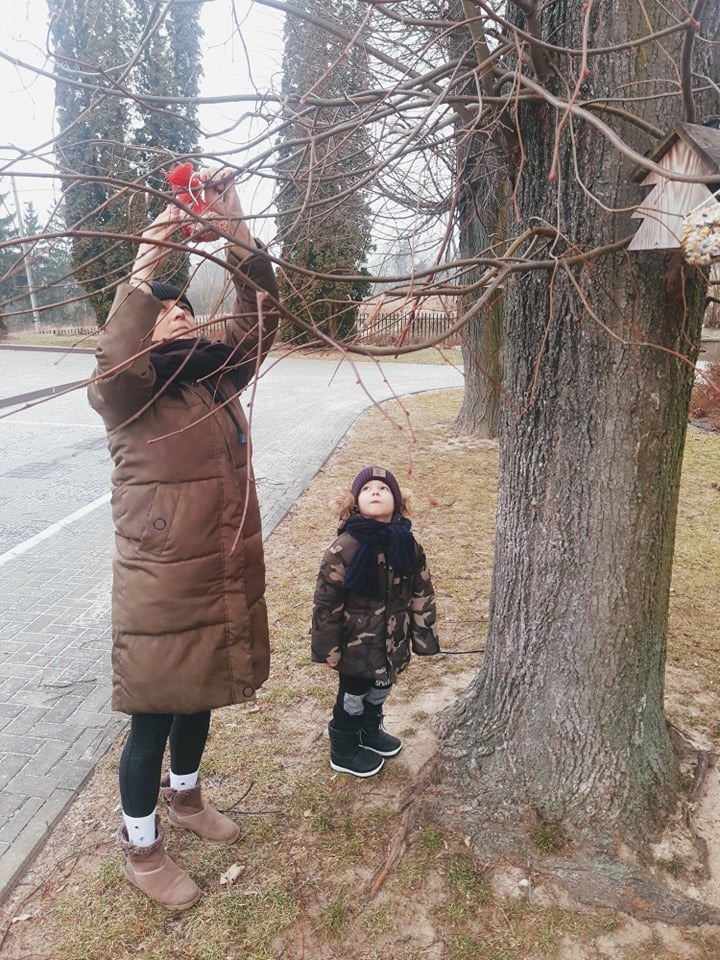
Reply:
x=142, y=756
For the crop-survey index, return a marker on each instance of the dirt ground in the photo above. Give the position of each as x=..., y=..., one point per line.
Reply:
x=83, y=842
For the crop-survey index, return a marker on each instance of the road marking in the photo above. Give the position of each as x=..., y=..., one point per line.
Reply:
x=52, y=423
x=53, y=529
x=57, y=391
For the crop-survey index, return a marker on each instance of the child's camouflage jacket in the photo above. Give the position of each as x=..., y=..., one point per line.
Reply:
x=367, y=636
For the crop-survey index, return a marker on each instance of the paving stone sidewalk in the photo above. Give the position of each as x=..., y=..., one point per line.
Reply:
x=55, y=721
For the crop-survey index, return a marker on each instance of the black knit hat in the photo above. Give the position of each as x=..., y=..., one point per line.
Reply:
x=377, y=473
x=167, y=291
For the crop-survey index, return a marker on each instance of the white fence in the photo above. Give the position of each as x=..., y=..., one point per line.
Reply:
x=405, y=329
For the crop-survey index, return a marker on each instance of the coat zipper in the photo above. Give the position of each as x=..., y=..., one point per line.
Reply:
x=215, y=391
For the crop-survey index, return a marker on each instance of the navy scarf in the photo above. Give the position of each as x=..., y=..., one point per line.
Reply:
x=195, y=358
x=395, y=539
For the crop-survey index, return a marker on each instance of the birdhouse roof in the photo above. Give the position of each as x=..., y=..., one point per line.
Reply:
x=705, y=141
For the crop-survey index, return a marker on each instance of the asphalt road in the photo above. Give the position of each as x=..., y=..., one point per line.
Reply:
x=54, y=461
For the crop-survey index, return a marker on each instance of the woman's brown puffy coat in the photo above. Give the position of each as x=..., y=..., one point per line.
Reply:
x=190, y=627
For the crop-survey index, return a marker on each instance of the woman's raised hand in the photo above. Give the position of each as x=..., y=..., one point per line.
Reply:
x=221, y=193
x=151, y=253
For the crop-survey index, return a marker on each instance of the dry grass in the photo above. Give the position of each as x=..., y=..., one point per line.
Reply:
x=312, y=840
x=705, y=401
x=26, y=338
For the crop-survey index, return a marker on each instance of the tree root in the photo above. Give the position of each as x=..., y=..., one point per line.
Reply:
x=590, y=877
x=588, y=873
x=617, y=886
x=407, y=819
x=397, y=848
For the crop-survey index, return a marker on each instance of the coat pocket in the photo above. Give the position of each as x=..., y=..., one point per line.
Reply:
x=132, y=507
x=172, y=521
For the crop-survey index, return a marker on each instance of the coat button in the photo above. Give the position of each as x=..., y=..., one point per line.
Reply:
x=159, y=524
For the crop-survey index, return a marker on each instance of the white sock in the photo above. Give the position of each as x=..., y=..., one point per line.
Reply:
x=184, y=781
x=141, y=830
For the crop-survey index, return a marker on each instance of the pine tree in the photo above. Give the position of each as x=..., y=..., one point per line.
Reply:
x=56, y=292
x=169, y=65
x=108, y=56
x=8, y=267
x=92, y=45
x=14, y=301
x=324, y=219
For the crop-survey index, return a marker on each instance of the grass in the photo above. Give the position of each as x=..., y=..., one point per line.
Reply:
x=336, y=917
x=705, y=402
x=311, y=841
x=27, y=338
x=548, y=838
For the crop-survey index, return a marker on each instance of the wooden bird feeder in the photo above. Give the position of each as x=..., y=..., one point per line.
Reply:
x=691, y=149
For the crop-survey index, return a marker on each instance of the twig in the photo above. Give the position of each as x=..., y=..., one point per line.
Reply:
x=692, y=27
x=528, y=877
x=397, y=847
x=240, y=800
x=250, y=813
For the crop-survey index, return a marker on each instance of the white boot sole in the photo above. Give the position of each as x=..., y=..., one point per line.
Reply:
x=356, y=773
x=382, y=753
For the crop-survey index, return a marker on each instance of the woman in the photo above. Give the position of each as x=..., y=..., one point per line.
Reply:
x=190, y=629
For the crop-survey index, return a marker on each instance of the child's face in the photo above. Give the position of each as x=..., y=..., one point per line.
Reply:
x=375, y=500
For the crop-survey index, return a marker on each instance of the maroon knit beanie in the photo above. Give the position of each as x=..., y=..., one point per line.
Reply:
x=377, y=473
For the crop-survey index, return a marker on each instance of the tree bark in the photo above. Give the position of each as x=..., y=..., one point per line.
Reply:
x=482, y=179
x=565, y=722
x=482, y=223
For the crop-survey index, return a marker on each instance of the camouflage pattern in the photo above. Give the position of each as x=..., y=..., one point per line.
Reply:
x=366, y=636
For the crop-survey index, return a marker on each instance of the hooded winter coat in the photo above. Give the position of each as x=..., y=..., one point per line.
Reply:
x=189, y=622
x=371, y=637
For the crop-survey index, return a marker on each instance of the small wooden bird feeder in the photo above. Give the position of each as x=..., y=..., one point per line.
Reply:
x=690, y=149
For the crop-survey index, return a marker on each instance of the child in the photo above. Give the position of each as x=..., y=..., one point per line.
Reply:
x=373, y=603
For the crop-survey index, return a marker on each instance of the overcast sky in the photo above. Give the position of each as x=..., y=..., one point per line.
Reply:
x=26, y=103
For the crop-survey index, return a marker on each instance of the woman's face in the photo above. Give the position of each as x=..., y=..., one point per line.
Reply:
x=375, y=500
x=174, y=320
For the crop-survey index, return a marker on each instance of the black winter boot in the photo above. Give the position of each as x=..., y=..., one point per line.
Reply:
x=347, y=756
x=373, y=736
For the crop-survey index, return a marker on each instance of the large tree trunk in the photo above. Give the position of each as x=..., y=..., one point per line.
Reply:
x=565, y=720
x=480, y=408
x=482, y=217
x=482, y=184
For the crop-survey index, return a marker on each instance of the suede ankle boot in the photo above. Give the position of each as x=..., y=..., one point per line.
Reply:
x=153, y=872
x=187, y=809
x=347, y=756
x=373, y=736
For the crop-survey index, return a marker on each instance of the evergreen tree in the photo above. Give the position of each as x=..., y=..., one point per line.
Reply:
x=10, y=267
x=14, y=300
x=56, y=293
x=169, y=65
x=31, y=220
x=101, y=51
x=92, y=45
x=324, y=218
